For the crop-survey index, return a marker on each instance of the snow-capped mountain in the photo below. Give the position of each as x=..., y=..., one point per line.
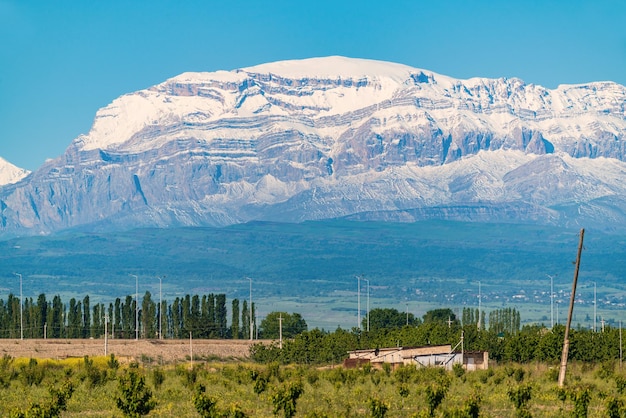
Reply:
x=335, y=137
x=9, y=173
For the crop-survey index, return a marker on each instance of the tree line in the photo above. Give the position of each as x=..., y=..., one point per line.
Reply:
x=198, y=316
x=503, y=338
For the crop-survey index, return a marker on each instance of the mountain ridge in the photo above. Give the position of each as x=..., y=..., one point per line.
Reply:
x=335, y=137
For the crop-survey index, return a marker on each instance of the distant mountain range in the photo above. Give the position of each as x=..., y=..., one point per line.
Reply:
x=329, y=138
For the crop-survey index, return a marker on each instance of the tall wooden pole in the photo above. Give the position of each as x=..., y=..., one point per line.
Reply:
x=569, y=315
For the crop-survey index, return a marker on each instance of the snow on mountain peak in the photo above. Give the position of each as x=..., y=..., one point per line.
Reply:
x=326, y=96
x=334, y=67
x=10, y=174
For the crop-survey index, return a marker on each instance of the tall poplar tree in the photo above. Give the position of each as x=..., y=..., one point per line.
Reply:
x=234, y=326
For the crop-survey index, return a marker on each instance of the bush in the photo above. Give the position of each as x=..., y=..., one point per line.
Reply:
x=52, y=408
x=378, y=408
x=614, y=406
x=113, y=363
x=286, y=397
x=135, y=398
x=158, y=377
x=471, y=408
x=458, y=369
x=32, y=374
x=434, y=397
x=205, y=405
x=620, y=383
x=93, y=375
x=581, y=396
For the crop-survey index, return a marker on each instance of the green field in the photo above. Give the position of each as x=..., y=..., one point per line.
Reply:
x=251, y=390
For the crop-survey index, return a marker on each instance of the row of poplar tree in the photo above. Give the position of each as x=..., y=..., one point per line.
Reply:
x=198, y=316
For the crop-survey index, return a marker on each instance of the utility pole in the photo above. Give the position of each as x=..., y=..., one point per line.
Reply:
x=407, y=314
x=106, y=330
x=251, y=327
x=21, y=308
x=160, y=306
x=551, y=300
x=595, y=315
x=571, y=310
x=368, y=304
x=358, y=298
x=136, y=306
x=280, y=331
x=479, y=306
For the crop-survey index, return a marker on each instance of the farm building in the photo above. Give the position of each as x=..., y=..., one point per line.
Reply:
x=439, y=355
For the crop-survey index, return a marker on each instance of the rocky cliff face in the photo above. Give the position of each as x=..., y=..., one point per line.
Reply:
x=334, y=137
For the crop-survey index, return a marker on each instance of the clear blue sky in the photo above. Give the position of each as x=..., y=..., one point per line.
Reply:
x=60, y=61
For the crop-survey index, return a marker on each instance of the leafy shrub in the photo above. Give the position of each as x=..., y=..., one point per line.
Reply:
x=135, y=398
x=614, y=406
x=606, y=369
x=378, y=408
x=286, y=397
x=32, y=374
x=260, y=384
x=581, y=396
x=458, y=369
x=520, y=396
x=113, y=363
x=312, y=376
x=404, y=374
x=188, y=376
x=92, y=374
x=387, y=368
x=158, y=377
x=403, y=390
x=273, y=370
x=434, y=397
x=375, y=377
x=471, y=408
x=7, y=372
x=620, y=383
x=205, y=405
x=52, y=408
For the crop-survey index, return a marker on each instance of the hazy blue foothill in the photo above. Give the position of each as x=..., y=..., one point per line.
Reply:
x=311, y=267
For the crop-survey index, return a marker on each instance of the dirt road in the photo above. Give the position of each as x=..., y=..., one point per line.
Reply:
x=159, y=351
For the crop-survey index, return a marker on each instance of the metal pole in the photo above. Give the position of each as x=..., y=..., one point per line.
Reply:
x=106, y=330
x=569, y=316
x=280, y=330
x=251, y=327
x=21, y=308
x=551, y=301
x=595, y=315
x=479, y=305
x=136, y=306
x=160, y=306
x=368, y=304
x=407, y=314
x=358, y=298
